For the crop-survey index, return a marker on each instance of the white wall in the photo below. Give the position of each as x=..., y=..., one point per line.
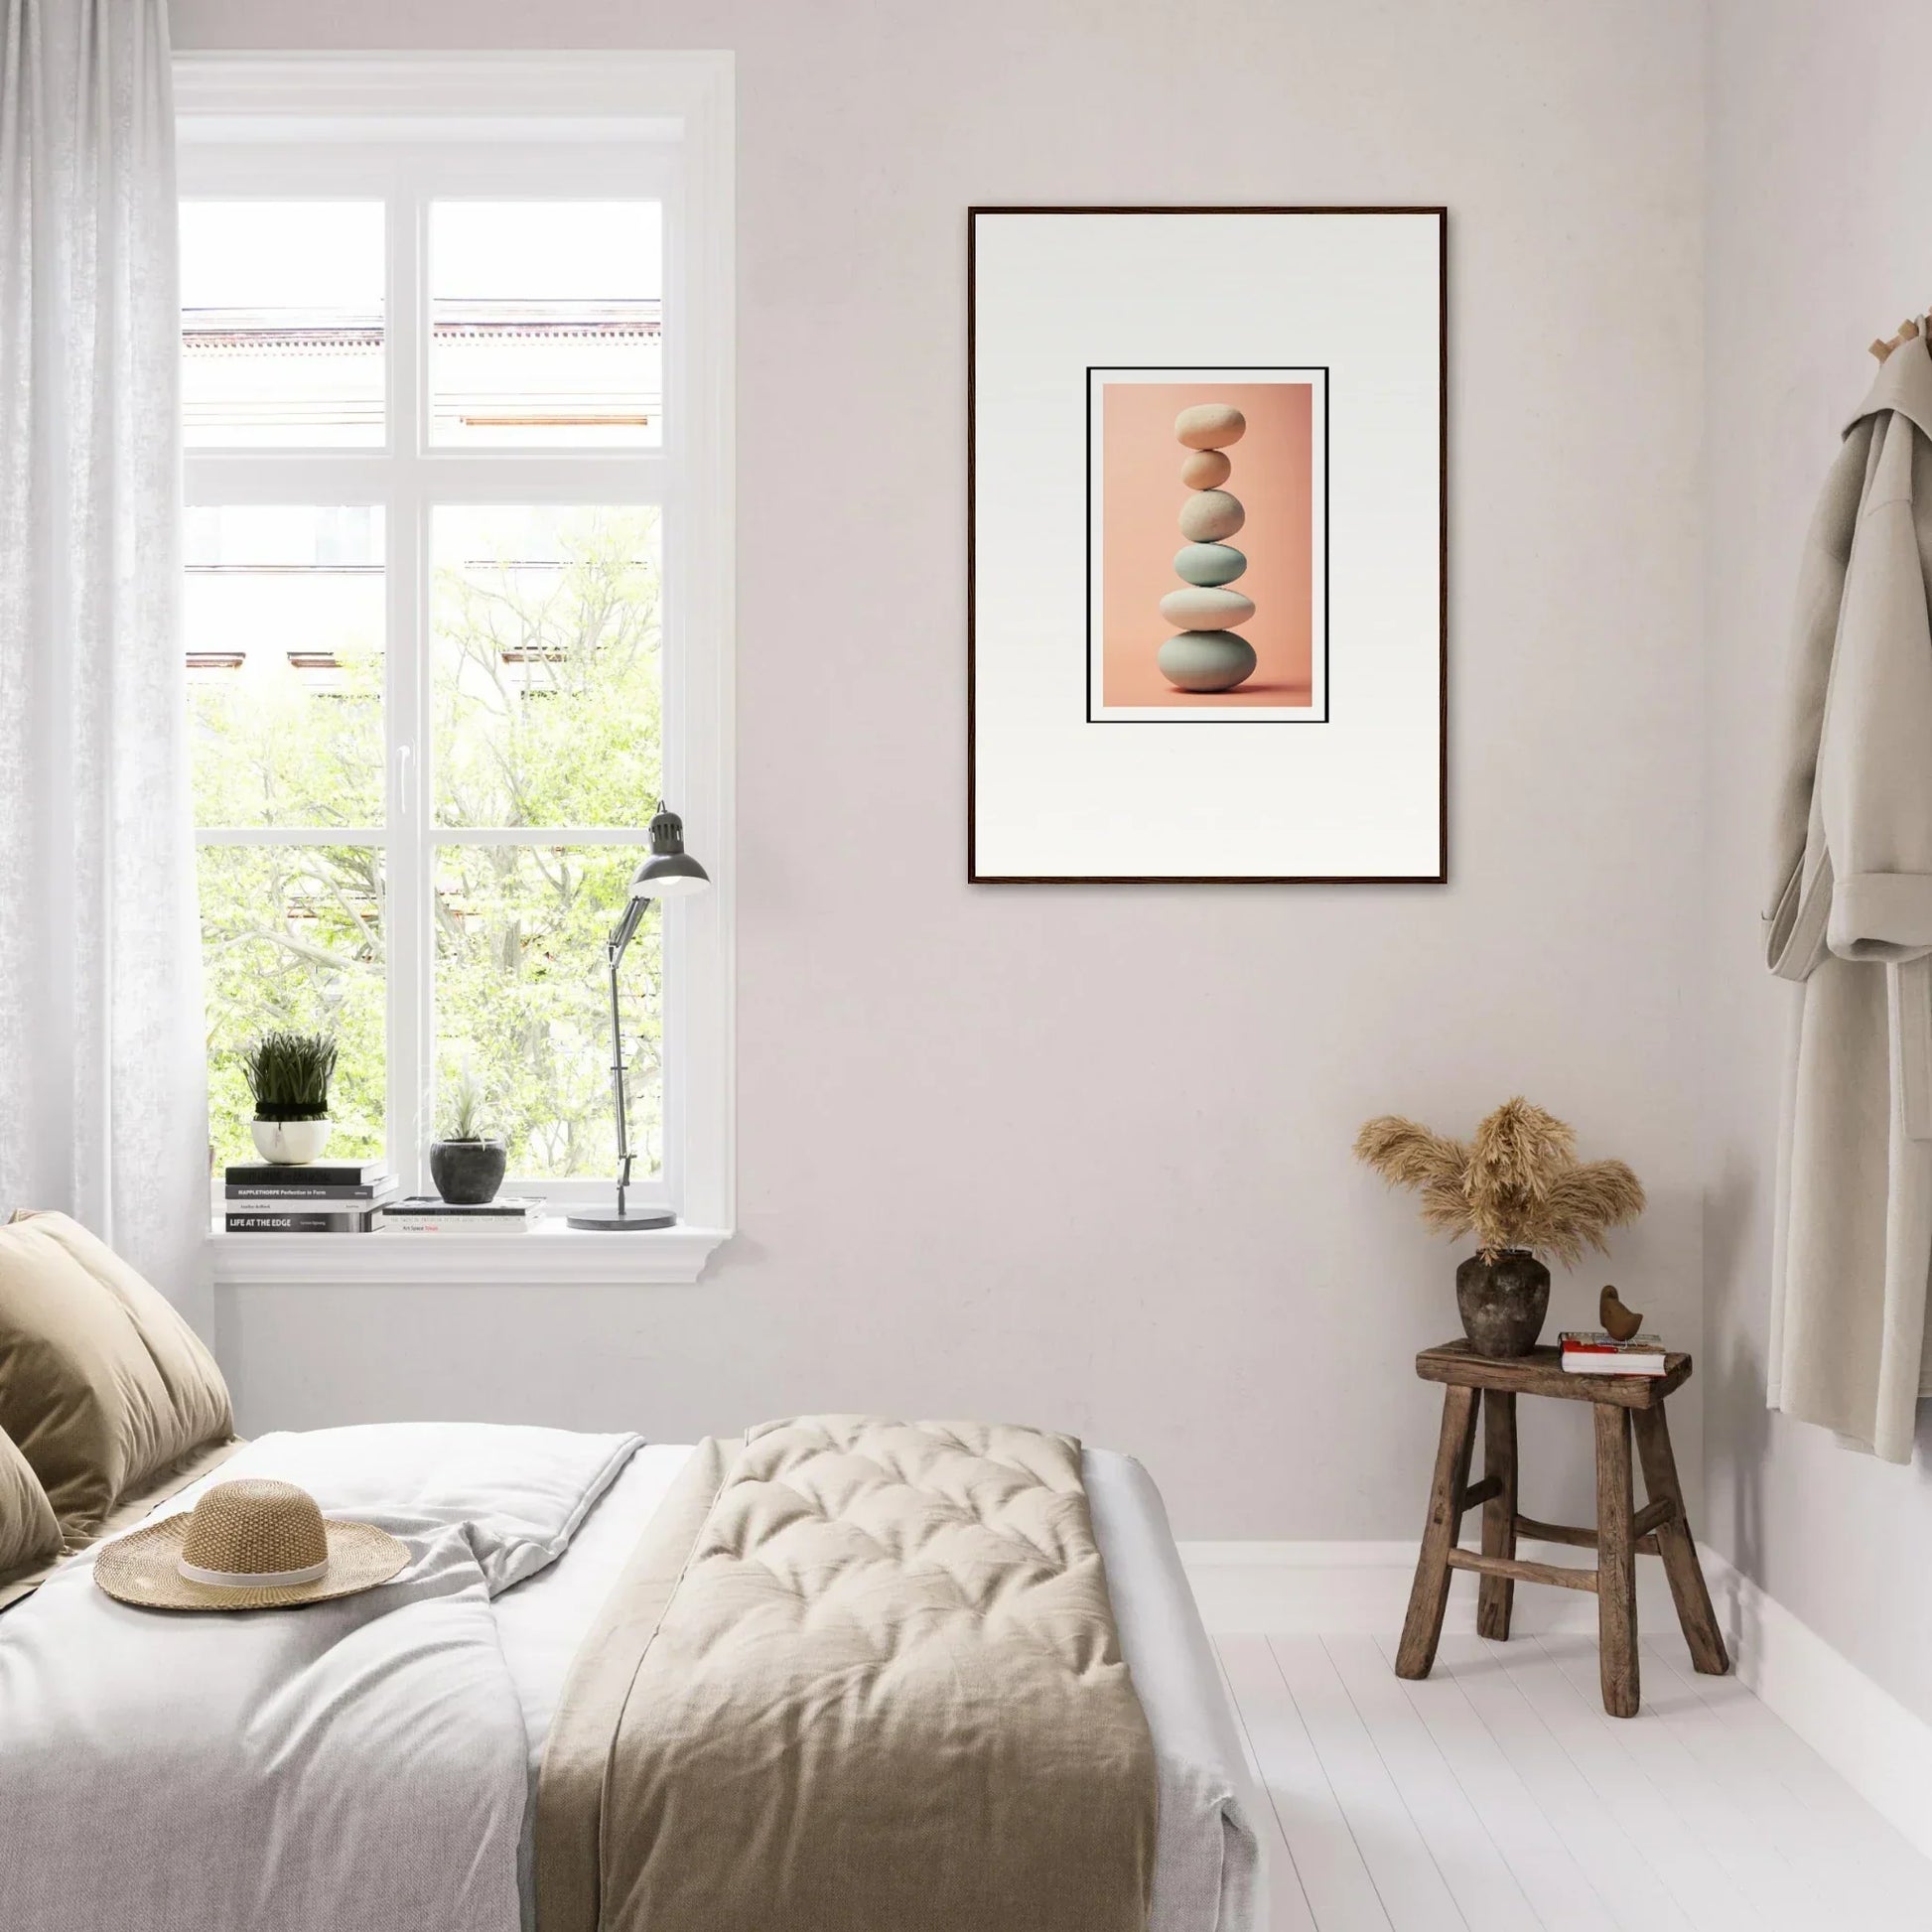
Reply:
x=1820, y=239
x=1080, y=1156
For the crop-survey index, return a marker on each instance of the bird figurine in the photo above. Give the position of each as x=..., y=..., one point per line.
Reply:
x=1619, y=1322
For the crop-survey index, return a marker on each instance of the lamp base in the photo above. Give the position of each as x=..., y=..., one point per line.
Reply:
x=613, y=1223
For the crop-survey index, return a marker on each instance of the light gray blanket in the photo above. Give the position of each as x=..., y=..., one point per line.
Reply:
x=352, y=1766
x=1208, y=1873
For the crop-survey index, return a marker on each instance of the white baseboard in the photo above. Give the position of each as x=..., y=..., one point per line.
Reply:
x=1871, y=1740
x=1880, y=1748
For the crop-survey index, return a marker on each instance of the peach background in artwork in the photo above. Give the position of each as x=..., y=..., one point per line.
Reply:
x=1140, y=498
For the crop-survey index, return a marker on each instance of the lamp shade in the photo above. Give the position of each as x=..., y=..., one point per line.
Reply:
x=670, y=872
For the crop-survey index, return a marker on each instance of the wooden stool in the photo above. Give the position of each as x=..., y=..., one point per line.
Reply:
x=1658, y=1529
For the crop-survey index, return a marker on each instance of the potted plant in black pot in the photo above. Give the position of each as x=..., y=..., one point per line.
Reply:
x=289, y=1075
x=1519, y=1188
x=468, y=1163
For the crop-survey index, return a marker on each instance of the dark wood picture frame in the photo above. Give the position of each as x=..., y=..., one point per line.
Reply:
x=974, y=876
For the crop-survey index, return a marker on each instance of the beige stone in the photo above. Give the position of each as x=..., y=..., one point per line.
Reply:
x=1210, y=426
x=1205, y=469
x=1211, y=514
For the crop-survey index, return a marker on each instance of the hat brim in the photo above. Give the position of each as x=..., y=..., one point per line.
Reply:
x=141, y=1568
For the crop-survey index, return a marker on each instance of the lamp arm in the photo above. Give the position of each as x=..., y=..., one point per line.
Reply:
x=625, y=928
x=615, y=947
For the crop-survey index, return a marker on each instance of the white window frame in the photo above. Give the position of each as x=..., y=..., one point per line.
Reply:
x=403, y=128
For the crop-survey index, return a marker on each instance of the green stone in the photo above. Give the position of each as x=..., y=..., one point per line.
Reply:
x=1206, y=660
x=1207, y=564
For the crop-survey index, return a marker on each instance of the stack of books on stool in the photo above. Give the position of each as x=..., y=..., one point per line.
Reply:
x=428, y=1214
x=323, y=1197
x=1594, y=1351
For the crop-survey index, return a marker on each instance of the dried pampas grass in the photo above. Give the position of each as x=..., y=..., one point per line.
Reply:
x=1516, y=1184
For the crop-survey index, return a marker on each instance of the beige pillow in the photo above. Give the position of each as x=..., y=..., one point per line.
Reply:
x=102, y=1385
x=29, y=1534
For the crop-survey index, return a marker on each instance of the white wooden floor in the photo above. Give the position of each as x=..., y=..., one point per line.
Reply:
x=1496, y=1795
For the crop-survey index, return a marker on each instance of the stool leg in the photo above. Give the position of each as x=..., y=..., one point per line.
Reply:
x=1617, y=1568
x=1495, y=1596
x=1678, y=1548
x=1429, y=1598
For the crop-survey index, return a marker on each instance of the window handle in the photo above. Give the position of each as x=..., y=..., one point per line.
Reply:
x=402, y=779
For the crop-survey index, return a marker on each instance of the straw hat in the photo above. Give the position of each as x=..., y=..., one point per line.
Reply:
x=249, y=1545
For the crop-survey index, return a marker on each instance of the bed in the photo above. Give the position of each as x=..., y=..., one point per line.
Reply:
x=1207, y=1870
x=519, y=1597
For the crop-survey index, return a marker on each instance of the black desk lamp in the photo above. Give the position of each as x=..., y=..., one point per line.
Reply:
x=670, y=873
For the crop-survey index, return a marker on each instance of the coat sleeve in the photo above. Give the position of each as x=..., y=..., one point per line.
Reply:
x=1874, y=762
x=1799, y=900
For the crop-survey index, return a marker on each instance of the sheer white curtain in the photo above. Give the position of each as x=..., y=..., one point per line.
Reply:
x=102, y=1063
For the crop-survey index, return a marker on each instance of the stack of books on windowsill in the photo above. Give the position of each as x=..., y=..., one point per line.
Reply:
x=1590, y=1351
x=323, y=1197
x=427, y=1214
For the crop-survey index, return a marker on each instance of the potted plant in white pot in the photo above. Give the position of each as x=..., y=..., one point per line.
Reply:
x=467, y=1164
x=289, y=1075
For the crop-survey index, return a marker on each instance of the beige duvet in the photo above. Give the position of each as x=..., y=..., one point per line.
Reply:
x=859, y=1673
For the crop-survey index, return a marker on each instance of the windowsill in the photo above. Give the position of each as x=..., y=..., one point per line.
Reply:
x=550, y=1254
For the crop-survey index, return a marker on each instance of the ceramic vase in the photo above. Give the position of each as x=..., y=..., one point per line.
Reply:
x=1504, y=1301
x=468, y=1174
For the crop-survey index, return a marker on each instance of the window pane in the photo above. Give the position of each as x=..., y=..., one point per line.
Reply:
x=283, y=611
x=523, y=1002
x=547, y=324
x=548, y=689
x=281, y=324
x=293, y=937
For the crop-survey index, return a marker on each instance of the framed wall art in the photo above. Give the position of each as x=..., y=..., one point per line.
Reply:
x=1206, y=545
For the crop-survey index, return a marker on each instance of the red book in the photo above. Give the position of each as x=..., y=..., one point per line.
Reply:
x=1589, y=1351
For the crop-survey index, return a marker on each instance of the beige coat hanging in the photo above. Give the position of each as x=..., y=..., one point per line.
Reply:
x=1851, y=916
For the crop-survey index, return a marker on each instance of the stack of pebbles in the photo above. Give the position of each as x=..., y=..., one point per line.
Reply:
x=1205, y=654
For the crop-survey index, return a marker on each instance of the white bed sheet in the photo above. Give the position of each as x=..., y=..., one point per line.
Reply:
x=1208, y=1875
